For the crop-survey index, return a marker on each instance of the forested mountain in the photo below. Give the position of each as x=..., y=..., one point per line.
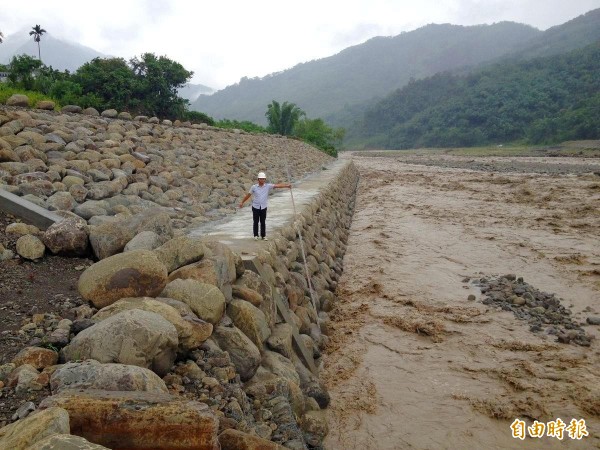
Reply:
x=542, y=100
x=374, y=68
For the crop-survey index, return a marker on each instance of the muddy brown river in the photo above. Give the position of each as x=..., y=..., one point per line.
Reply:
x=412, y=361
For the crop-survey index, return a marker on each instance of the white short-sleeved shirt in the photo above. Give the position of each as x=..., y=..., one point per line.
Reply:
x=261, y=195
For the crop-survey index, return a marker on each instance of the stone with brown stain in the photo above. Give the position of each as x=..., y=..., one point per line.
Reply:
x=138, y=420
x=138, y=273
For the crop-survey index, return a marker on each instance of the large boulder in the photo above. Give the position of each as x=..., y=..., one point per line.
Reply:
x=252, y=280
x=250, y=320
x=281, y=340
x=231, y=439
x=45, y=105
x=206, y=300
x=7, y=154
x=135, y=337
x=192, y=332
x=146, y=240
x=18, y=100
x=244, y=355
x=21, y=229
x=66, y=442
x=314, y=425
x=138, y=273
x=25, y=433
x=67, y=237
x=138, y=420
x=245, y=293
x=106, y=189
x=281, y=366
x=180, y=251
x=38, y=357
x=61, y=201
x=111, y=237
x=92, y=374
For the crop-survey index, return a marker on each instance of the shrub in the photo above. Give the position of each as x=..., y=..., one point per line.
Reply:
x=7, y=91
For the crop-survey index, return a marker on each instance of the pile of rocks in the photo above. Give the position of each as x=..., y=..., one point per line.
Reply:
x=542, y=310
x=178, y=332
x=109, y=166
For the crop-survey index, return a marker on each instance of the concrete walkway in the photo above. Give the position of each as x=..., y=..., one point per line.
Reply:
x=236, y=231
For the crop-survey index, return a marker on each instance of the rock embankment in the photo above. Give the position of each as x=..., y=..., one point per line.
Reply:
x=106, y=170
x=181, y=346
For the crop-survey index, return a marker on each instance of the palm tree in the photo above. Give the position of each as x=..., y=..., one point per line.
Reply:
x=283, y=118
x=37, y=32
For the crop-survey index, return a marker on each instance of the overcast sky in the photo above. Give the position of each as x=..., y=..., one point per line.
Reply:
x=224, y=40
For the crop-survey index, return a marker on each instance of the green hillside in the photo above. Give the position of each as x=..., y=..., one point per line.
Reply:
x=373, y=69
x=543, y=100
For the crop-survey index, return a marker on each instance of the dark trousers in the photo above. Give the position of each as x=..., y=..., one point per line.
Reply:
x=259, y=214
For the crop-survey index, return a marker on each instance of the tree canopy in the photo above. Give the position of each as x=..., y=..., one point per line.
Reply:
x=146, y=85
x=283, y=118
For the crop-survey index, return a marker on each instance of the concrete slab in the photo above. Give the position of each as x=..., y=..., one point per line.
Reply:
x=27, y=211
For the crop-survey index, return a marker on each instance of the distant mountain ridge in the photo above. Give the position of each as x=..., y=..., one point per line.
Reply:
x=193, y=91
x=571, y=35
x=371, y=69
x=340, y=87
x=60, y=54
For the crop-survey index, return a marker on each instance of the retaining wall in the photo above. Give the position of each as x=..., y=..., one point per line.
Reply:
x=211, y=339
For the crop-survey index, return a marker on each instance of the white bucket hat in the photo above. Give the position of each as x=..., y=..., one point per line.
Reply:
x=261, y=175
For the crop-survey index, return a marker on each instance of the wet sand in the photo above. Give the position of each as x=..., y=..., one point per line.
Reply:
x=412, y=363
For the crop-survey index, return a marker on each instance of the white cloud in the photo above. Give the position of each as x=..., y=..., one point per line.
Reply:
x=224, y=41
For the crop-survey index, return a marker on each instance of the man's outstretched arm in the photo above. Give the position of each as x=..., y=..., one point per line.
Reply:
x=282, y=185
x=244, y=200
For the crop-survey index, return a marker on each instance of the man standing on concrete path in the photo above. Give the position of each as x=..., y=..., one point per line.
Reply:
x=260, y=193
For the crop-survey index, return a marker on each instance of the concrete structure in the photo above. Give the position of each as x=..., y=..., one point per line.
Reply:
x=236, y=233
x=26, y=210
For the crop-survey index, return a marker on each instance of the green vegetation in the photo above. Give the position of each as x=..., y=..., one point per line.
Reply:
x=244, y=125
x=198, y=117
x=289, y=120
x=147, y=85
x=22, y=71
x=6, y=91
x=544, y=100
x=317, y=133
x=283, y=118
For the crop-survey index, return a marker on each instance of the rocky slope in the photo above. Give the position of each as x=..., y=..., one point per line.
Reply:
x=175, y=327
x=105, y=166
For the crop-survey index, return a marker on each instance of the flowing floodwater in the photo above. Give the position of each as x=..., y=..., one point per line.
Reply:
x=412, y=362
